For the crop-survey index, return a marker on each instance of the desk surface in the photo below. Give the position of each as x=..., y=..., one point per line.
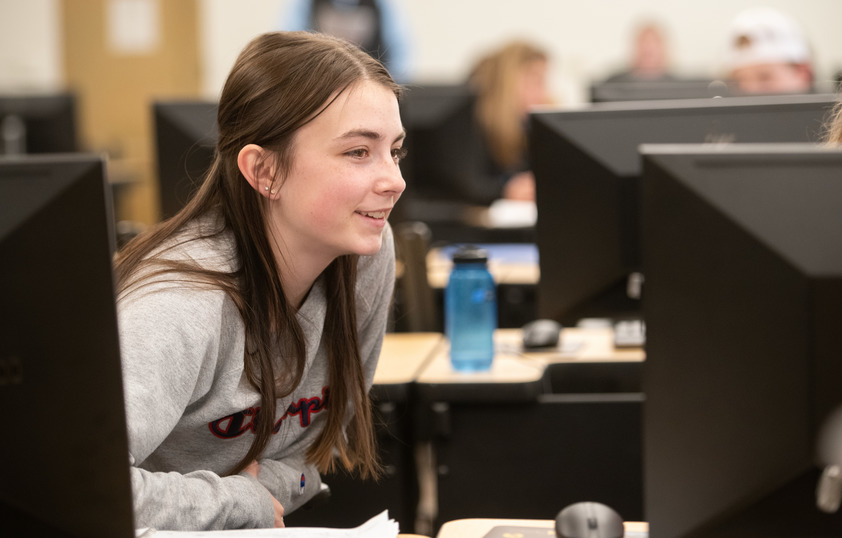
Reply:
x=477, y=528
x=514, y=365
x=576, y=345
x=404, y=355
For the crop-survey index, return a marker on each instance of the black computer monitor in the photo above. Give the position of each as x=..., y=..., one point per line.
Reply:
x=38, y=124
x=64, y=469
x=185, y=138
x=587, y=168
x=442, y=142
x=743, y=304
x=607, y=92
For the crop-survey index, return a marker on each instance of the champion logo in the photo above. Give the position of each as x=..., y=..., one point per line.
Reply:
x=235, y=425
x=301, y=485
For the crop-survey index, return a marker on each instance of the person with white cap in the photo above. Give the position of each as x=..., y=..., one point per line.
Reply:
x=768, y=53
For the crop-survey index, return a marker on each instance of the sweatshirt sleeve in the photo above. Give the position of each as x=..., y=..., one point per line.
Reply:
x=291, y=480
x=200, y=500
x=170, y=340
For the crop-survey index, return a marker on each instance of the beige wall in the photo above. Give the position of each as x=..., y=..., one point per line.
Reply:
x=30, y=45
x=587, y=42
x=449, y=34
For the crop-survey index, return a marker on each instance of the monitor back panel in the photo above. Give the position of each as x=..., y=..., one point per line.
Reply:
x=64, y=466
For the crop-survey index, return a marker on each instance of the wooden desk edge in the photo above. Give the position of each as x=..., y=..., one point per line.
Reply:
x=424, y=345
x=478, y=527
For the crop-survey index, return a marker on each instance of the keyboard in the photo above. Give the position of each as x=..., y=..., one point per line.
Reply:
x=629, y=333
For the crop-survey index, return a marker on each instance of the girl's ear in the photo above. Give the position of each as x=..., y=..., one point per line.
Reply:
x=259, y=169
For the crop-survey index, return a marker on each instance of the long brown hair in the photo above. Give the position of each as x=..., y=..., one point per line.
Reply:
x=280, y=82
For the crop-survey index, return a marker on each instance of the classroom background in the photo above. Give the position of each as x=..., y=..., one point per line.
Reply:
x=726, y=297
x=120, y=55
x=589, y=40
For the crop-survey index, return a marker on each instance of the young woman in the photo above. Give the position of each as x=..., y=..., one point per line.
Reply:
x=251, y=322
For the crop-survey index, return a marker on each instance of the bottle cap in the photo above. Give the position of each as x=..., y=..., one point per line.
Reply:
x=470, y=254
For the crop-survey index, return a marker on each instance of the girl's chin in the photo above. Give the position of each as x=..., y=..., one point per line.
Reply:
x=370, y=248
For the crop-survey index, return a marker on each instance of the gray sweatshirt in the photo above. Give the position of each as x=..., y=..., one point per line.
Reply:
x=190, y=408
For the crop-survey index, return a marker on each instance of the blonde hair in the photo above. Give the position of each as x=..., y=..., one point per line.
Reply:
x=496, y=79
x=833, y=132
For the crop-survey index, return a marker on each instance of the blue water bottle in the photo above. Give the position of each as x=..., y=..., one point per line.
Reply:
x=470, y=310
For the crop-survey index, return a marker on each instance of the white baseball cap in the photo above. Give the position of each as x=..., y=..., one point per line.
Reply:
x=762, y=35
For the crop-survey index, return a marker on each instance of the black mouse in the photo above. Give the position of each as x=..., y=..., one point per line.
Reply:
x=589, y=520
x=541, y=333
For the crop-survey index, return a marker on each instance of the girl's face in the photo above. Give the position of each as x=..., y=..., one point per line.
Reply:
x=344, y=178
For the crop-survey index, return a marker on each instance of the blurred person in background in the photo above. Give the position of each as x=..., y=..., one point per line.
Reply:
x=509, y=82
x=768, y=54
x=649, y=58
x=376, y=26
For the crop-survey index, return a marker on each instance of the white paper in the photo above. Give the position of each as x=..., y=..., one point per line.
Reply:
x=380, y=526
x=504, y=213
x=133, y=26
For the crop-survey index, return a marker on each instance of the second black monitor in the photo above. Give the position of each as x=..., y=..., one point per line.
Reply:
x=587, y=169
x=743, y=256
x=44, y=123
x=607, y=92
x=442, y=139
x=185, y=138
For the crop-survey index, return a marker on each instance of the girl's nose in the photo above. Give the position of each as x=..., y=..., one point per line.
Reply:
x=391, y=180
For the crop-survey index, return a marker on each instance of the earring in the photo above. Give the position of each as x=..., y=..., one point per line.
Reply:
x=267, y=188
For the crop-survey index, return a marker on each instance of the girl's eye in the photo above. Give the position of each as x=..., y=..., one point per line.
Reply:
x=358, y=153
x=398, y=154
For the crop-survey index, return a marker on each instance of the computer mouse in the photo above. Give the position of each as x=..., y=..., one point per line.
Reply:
x=541, y=333
x=589, y=520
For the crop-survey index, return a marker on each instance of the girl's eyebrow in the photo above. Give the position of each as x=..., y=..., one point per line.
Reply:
x=366, y=133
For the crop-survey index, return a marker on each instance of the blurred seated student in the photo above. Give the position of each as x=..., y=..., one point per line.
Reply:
x=376, y=26
x=768, y=54
x=508, y=82
x=251, y=322
x=649, y=60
